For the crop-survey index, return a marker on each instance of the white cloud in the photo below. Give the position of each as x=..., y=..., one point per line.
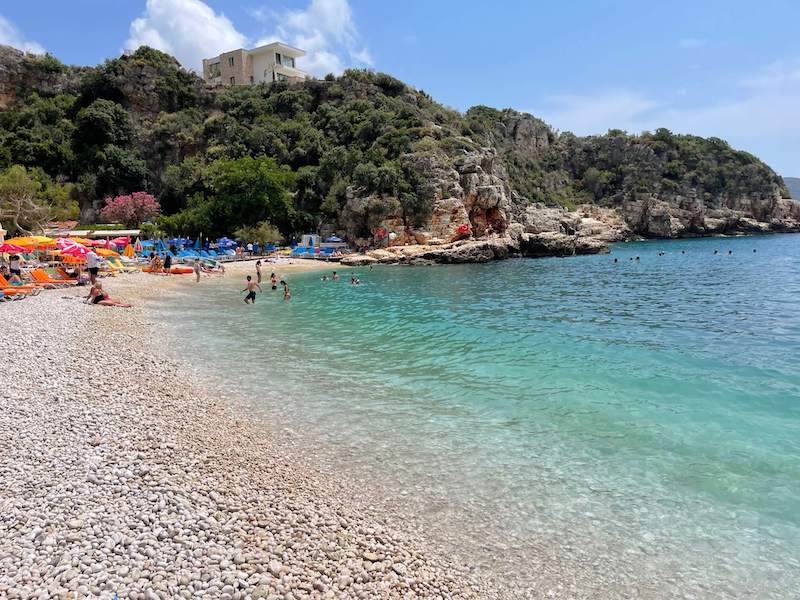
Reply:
x=190, y=30
x=325, y=29
x=11, y=36
x=692, y=42
x=761, y=114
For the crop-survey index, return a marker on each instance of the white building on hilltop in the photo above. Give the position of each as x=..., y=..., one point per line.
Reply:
x=265, y=64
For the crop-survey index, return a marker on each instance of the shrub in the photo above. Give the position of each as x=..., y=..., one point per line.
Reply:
x=131, y=210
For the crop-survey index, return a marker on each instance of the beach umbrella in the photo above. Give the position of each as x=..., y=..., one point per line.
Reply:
x=106, y=252
x=12, y=248
x=32, y=241
x=137, y=246
x=69, y=247
x=129, y=251
x=68, y=258
x=121, y=241
x=80, y=240
x=334, y=239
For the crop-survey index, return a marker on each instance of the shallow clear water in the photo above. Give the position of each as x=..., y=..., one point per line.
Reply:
x=639, y=418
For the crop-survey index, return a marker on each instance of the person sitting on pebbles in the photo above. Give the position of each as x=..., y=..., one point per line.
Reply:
x=98, y=296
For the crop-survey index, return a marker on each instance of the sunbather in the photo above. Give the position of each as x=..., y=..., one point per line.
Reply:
x=98, y=296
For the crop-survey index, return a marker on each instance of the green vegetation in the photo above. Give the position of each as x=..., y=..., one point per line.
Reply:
x=355, y=148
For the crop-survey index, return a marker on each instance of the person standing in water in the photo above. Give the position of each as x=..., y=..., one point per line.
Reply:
x=251, y=291
x=335, y=276
x=273, y=280
x=196, y=268
x=286, y=294
x=258, y=271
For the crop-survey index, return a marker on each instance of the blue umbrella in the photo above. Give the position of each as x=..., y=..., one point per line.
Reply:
x=334, y=239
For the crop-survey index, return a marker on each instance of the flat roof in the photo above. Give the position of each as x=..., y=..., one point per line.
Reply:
x=279, y=46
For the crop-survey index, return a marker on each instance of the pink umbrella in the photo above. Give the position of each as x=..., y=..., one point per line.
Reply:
x=71, y=248
x=12, y=248
x=121, y=241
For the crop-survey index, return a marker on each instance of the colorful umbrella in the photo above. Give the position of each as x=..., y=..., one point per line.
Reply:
x=81, y=241
x=129, y=252
x=138, y=245
x=106, y=252
x=70, y=247
x=12, y=248
x=32, y=241
x=121, y=241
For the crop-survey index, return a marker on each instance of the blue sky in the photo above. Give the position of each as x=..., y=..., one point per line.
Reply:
x=725, y=68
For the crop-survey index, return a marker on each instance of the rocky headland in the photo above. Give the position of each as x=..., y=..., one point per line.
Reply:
x=374, y=161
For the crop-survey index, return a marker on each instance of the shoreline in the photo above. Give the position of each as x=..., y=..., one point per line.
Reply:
x=123, y=475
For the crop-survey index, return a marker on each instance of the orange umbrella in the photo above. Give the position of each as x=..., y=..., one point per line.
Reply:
x=129, y=252
x=106, y=252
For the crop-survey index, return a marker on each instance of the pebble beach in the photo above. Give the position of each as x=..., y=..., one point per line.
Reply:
x=123, y=476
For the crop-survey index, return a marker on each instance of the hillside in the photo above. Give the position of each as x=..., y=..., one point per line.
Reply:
x=361, y=152
x=793, y=186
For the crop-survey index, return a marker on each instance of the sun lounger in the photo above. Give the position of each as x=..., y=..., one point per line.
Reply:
x=41, y=276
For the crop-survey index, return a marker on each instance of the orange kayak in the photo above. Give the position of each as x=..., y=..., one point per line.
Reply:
x=173, y=270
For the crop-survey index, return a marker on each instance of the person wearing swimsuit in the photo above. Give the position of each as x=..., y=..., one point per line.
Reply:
x=251, y=291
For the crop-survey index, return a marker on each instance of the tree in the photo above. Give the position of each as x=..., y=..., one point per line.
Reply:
x=19, y=200
x=131, y=210
x=239, y=193
x=263, y=233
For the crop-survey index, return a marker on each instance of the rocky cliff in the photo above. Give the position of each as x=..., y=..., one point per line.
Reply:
x=376, y=160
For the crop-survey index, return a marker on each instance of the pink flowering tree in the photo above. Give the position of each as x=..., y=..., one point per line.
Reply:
x=131, y=210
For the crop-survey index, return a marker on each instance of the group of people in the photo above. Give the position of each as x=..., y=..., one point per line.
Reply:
x=252, y=286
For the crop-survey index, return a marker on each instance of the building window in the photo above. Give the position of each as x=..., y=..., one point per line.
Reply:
x=282, y=77
x=233, y=80
x=230, y=61
x=278, y=59
x=213, y=70
x=288, y=61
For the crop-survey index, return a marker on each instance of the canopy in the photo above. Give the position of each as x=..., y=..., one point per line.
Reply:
x=12, y=248
x=32, y=241
x=70, y=247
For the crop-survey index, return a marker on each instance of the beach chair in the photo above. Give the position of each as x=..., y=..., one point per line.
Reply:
x=41, y=276
x=9, y=289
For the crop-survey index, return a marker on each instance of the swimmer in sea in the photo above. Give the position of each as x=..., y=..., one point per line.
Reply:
x=251, y=291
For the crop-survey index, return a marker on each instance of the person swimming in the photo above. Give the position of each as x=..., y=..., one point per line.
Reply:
x=730, y=252
x=335, y=277
x=251, y=291
x=324, y=278
x=615, y=260
x=637, y=258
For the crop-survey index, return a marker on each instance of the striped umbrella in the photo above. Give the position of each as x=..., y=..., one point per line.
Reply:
x=71, y=248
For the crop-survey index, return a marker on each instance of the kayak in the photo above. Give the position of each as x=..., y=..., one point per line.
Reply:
x=173, y=270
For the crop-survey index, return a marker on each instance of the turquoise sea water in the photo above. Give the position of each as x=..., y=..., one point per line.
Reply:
x=638, y=420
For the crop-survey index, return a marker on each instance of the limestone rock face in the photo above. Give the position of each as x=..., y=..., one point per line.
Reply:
x=22, y=73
